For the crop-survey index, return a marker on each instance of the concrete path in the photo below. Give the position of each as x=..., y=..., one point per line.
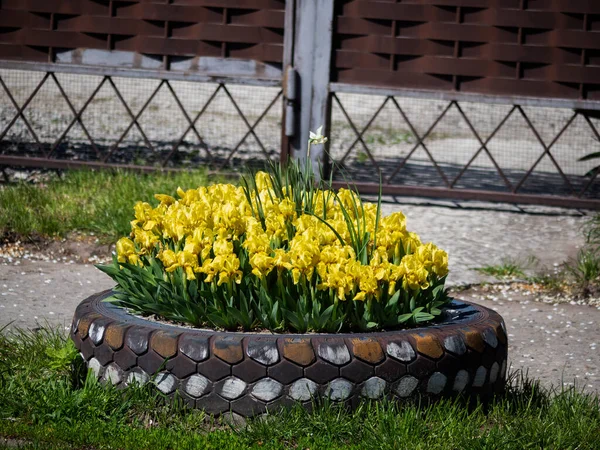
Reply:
x=555, y=342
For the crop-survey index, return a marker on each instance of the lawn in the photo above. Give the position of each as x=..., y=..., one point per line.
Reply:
x=47, y=401
x=100, y=202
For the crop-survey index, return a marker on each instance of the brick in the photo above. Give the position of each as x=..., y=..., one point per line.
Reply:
x=298, y=350
x=267, y=389
x=97, y=329
x=321, y=372
x=333, y=350
x=367, y=349
x=228, y=348
x=85, y=322
x=125, y=358
x=263, y=350
x=249, y=370
x=402, y=350
x=214, y=369
x=473, y=339
x=448, y=363
x=248, y=406
x=87, y=349
x=357, y=371
x=104, y=354
x=197, y=385
x=137, y=339
x=421, y=367
x=181, y=366
x=151, y=362
x=164, y=343
x=114, y=335
x=285, y=372
x=428, y=345
x=213, y=404
x=195, y=347
x=390, y=370
x=231, y=388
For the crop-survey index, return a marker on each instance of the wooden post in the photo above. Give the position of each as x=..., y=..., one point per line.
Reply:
x=311, y=60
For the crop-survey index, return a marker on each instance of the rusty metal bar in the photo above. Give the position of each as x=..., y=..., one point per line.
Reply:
x=469, y=194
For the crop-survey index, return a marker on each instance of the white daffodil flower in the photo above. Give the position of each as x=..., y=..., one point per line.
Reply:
x=317, y=138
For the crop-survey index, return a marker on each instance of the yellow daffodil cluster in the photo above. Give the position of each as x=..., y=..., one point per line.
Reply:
x=217, y=235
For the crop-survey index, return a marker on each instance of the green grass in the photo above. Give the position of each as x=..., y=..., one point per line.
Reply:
x=47, y=402
x=507, y=269
x=88, y=201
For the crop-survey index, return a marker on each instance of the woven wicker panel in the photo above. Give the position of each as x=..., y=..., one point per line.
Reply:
x=163, y=32
x=542, y=48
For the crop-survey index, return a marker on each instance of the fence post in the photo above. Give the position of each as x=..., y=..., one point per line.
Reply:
x=311, y=60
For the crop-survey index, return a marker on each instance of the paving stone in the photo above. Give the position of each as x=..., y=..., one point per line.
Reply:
x=390, y=370
x=113, y=374
x=164, y=343
x=137, y=376
x=406, y=386
x=165, y=382
x=248, y=406
x=263, y=350
x=401, y=350
x=96, y=367
x=285, y=371
x=151, y=362
x=436, y=383
x=213, y=403
x=428, y=345
x=480, y=375
x=249, y=370
x=196, y=385
x=214, y=369
x=367, y=349
x=267, y=389
x=97, y=329
x=114, y=335
x=490, y=338
x=339, y=389
x=181, y=366
x=421, y=367
x=125, y=358
x=461, y=380
x=228, y=348
x=137, y=339
x=373, y=388
x=321, y=372
x=298, y=350
x=455, y=344
x=333, y=351
x=194, y=346
x=232, y=388
x=357, y=371
x=494, y=372
x=303, y=389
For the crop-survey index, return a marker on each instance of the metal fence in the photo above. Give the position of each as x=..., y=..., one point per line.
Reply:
x=58, y=120
x=473, y=99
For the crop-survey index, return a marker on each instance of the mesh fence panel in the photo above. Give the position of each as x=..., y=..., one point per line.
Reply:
x=462, y=145
x=145, y=122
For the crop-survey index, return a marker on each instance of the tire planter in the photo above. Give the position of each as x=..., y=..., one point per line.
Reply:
x=250, y=373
